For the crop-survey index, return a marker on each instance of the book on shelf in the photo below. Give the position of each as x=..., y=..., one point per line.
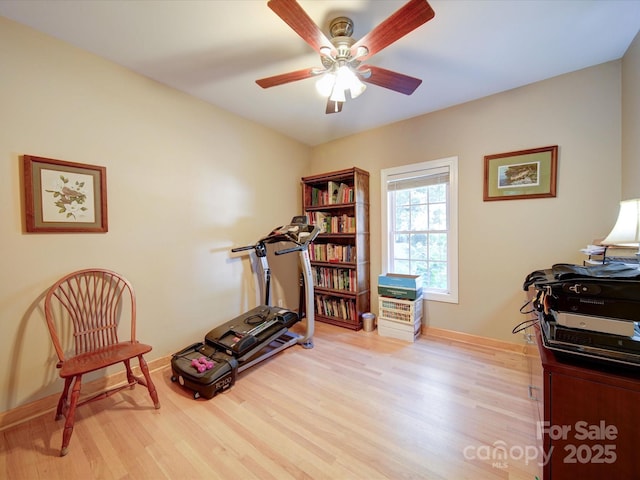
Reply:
x=345, y=194
x=348, y=195
x=319, y=196
x=334, y=278
x=342, y=224
x=340, y=193
x=332, y=253
x=334, y=189
x=341, y=308
x=327, y=223
x=319, y=219
x=335, y=194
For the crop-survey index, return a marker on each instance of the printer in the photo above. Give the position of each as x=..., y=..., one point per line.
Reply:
x=591, y=311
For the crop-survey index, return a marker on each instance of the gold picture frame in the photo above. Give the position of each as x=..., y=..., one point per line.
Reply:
x=522, y=174
x=63, y=196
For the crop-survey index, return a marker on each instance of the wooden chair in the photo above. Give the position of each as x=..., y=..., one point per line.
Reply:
x=89, y=305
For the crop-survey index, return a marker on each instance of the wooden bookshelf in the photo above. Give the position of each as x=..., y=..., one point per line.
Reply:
x=338, y=202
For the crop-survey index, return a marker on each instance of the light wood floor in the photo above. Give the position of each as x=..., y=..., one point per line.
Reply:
x=357, y=406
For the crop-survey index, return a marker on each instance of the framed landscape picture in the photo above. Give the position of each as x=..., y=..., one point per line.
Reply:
x=63, y=196
x=522, y=174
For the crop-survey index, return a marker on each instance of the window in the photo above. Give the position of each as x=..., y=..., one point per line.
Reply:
x=420, y=225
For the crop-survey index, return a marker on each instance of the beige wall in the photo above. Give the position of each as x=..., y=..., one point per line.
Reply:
x=501, y=242
x=186, y=182
x=631, y=121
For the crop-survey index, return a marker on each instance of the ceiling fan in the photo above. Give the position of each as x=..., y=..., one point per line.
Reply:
x=342, y=69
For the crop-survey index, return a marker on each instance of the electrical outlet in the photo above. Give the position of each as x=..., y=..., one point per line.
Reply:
x=280, y=302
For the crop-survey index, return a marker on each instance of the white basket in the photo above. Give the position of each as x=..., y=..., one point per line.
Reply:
x=399, y=330
x=398, y=310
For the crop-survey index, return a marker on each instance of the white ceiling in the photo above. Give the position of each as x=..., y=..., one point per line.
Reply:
x=216, y=49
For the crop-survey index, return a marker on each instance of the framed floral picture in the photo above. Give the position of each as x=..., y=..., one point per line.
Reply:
x=522, y=174
x=63, y=196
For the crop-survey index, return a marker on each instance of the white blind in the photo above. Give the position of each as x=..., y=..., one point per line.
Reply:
x=418, y=178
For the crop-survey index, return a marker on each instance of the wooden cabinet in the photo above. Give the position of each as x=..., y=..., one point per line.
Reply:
x=590, y=429
x=338, y=202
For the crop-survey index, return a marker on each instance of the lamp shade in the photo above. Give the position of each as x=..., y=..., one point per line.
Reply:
x=626, y=231
x=324, y=85
x=337, y=94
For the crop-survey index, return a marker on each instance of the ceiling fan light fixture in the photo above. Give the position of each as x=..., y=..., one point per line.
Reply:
x=334, y=85
x=346, y=79
x=357, y=88
x=337, y=95
x=325, y=84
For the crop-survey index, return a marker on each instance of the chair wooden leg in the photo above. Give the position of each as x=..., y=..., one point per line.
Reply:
x=150, y=386
x=71, y=414
x=130, y=377
x=63, y=398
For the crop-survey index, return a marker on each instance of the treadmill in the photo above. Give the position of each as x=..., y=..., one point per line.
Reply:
x=210, y=367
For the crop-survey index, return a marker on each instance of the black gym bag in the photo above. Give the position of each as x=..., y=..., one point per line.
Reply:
x=204, y=370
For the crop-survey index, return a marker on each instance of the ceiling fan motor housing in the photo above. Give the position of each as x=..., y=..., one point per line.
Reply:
x=341, y=27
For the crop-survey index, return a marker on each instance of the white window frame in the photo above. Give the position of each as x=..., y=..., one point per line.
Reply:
x=451, y=295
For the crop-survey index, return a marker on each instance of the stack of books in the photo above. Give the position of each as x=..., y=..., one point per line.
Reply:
x=400, y=306
x=601, y=254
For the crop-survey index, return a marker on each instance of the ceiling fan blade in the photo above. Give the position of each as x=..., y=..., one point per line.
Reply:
x=406, y=19
x=392, y=80
x=333, y=107
x=294, y=16
x=286, y=77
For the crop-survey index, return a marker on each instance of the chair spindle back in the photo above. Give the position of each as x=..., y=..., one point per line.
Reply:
x=93, y=300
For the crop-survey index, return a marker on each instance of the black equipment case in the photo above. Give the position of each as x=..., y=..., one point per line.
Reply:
x=610, y=290
x=219, y=372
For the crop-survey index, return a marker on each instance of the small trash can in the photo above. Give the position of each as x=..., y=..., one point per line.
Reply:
x=368, y=322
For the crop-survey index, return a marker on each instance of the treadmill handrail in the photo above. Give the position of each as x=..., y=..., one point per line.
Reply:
x=277, y=235
x=281, y=235
x=290, y=250
x=241, y=249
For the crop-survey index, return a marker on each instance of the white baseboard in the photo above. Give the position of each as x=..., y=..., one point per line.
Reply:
x=478, y=340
